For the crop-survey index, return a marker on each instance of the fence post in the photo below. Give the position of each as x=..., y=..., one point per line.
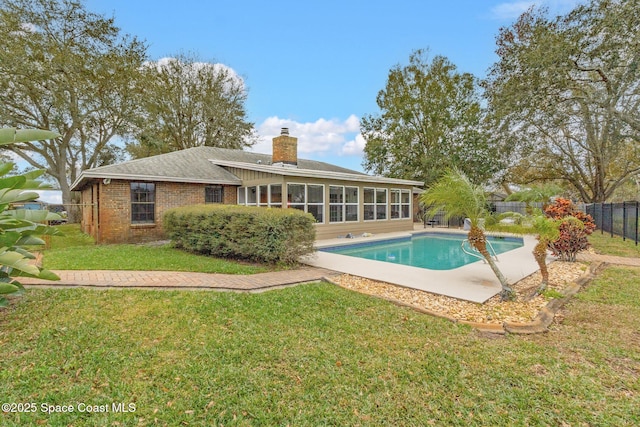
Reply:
x=601, y=218
x=611, y=218
x=636, y=223
x=624, y=221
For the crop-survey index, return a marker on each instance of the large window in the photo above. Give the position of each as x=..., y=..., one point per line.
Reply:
x=343, y=204
x=264, y=195
x=315, y=201
x=336, y=204
x=308, y=198
x=143, y=202
x=369, y=204
x=275, y=198
x=213, y=194
x=395, y=204
x=296, y=196
x=242, y=196
x=252, y=195
x=261, y=195
x=375, y=204
x=381, y=203
x=400, y=204
x=351, y=203
x=405, y=204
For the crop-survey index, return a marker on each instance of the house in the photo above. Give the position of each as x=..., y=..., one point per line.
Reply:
x=125, y=202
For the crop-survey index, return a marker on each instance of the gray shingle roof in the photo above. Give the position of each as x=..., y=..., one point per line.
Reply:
x=265, y=159
x=193, y=165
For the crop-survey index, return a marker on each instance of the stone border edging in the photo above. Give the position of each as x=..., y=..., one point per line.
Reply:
x=538, y=325
x=546, y=315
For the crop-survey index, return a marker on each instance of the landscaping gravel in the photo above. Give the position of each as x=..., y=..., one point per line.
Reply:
x=495, y=311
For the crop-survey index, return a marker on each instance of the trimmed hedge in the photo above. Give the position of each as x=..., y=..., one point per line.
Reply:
x=251, y=233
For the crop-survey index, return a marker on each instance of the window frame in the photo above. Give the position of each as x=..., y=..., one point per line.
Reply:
x=320, y=204
x=305, y=204
x=135, y=204
x=339, y=205
x=262, y=192
x=242, y=196
x=366, y=204
x=343, y=205
x=376, y=204
x=407, y=204
x=351, y=204
x=273, y=204
x=252, y=190
x=214, y=188
x=395, y=204
x=262, y=200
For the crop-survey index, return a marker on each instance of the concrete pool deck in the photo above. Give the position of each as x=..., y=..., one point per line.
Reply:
x=473, y=282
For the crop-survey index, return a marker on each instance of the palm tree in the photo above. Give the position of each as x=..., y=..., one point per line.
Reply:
x=548, y=231
x=457, y=196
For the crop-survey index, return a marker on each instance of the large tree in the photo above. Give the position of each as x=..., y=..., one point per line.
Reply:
x=430, y=119
x=566, y=92
x=66, y=69
x=190, y=103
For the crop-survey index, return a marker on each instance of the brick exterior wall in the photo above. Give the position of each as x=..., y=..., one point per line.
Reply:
x=112, y=224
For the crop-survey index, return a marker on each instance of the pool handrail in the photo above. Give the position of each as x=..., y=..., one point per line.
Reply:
x=495, y=255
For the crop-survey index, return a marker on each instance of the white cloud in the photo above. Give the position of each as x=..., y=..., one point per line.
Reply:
x=354, y=147
x=197, y=66
x=53, y=197
x=320, y=138
x=511, y=10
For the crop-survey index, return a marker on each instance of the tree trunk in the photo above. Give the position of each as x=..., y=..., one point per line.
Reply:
x=540, y=254
x=70, y=205
x=478, y=240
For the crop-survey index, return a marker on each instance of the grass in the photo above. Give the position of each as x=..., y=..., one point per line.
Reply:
x=314, y=355
x=607, y=245
x=71, y=237
x=509, y=228
x=77, y=251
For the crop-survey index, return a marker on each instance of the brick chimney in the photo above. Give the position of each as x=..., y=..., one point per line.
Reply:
x=285, y=149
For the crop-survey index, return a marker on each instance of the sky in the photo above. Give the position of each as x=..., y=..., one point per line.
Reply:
x=316, y=67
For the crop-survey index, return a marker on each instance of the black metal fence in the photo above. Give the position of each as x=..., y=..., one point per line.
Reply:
x=620, y=219
x=439, y=220
x=517, y=207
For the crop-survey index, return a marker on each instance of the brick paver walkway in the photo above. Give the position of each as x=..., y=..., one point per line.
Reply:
x=181, y=280
x=222, y=282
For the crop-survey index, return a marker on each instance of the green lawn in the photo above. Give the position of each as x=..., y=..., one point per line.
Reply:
x=607, y=245
x=77, y=251
x=315, y=355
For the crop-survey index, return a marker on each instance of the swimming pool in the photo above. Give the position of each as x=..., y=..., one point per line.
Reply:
x=434, y=251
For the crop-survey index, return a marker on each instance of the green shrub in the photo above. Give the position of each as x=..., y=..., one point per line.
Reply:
x=252, y=233
x=20, y=228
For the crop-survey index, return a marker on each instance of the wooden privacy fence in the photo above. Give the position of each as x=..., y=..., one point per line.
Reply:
x=620, y=219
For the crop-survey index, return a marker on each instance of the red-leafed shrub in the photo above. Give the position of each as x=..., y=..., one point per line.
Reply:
x=574, y=229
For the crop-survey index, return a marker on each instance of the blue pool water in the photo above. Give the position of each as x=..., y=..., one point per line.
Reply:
x=434, y=251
